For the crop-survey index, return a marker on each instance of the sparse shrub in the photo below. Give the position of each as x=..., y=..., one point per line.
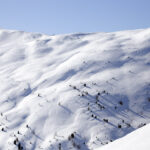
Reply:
x=16, y=141
x=72, y=135
x=39, y=95
x=105, y=120
x=84, y=84
x=74, y=87
x=120, y=102
x=128, y=125
x=104, y=91
x=82, y=95
x=59, y=146
x=86, y=92
x=119, y=126
x=141, y=125
x=100, y=106
x=19, y=146
x=98, y=93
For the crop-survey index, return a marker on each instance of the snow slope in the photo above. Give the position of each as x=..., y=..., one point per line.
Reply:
x=76, y=91
x=137, y=140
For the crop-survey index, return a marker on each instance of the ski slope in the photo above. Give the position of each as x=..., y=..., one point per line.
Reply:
x=73, y=91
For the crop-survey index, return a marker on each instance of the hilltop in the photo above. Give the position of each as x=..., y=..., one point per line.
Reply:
x=75, y=91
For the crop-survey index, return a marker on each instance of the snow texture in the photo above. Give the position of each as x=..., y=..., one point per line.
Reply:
x=137, y=140
x=76, y=91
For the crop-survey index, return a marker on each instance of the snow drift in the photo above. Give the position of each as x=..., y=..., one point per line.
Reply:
x=136, y=140
x=76, y=91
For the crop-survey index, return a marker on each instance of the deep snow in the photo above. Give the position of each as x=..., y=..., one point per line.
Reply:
x=137, y=140
x=72, y=91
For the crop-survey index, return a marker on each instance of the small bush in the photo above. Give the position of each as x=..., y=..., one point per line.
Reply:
x=98, y=93
x=119, y=126
x=86, y=92
x=39, y=95
x=128, y=125
x=141, y=125
x=74, y=87
x=82, y=95
x=105, y=120
x=16, y=141
x=104, y=91
x=100, y=106
x=72, y=135
x=20, y=147
x=120, y=102
x=84, y=84
x=59, y=146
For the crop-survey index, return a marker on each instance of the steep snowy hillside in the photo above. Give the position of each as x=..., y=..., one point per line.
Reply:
x=77, y=91
x=137, y=140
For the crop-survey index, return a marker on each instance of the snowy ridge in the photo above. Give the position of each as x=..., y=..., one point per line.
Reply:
x=77, y=91
x=136, y=140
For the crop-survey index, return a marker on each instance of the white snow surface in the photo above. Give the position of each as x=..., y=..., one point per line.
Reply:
x=76, y=91
x=137, y=140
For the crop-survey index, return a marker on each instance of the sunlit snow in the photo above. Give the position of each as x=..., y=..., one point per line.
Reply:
x=76, y=91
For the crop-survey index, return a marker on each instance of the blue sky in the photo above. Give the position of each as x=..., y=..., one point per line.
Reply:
x=69, y=16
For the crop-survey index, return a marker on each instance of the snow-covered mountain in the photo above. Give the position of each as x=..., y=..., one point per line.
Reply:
x=137, y=140
x=76, y=91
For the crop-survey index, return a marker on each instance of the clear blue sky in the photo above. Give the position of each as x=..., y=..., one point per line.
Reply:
x=69, y=16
